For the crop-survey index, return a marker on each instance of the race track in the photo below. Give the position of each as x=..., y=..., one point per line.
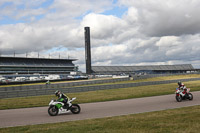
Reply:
x=39, y=115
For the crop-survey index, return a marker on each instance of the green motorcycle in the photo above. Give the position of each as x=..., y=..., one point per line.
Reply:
x=58, y=106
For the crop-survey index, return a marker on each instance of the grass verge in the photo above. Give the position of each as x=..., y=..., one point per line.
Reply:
x=98, y=96
x=174, y=120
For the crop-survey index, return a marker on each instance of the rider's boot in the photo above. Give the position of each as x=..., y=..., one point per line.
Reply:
x=65, y=105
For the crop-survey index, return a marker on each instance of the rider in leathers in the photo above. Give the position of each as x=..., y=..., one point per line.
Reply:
x=60, y=95
x=182, y=88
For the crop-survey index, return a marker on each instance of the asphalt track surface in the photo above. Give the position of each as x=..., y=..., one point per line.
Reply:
x=39, y=115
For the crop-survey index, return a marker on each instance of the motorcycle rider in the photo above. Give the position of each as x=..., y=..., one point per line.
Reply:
x=182, y=88
x=60, y=95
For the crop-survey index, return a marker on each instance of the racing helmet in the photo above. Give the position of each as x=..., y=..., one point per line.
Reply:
x=179, y=83
x=57, y=93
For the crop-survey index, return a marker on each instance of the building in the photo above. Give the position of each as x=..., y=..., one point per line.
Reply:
x=20, y=65
x=150, y=69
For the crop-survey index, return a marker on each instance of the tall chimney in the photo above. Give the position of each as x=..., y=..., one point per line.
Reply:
x=87, y=50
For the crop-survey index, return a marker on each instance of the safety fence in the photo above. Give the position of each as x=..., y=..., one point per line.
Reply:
x=36, y=90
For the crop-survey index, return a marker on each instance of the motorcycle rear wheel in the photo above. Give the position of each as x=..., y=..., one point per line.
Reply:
x=178, y=98
x=190, y=96
x=75, y=109
x=53, y=111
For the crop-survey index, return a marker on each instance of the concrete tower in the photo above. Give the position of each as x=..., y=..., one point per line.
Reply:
x=87, y=50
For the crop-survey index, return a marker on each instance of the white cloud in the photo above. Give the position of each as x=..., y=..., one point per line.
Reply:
x=12, y=9
x=167, y=41
x=132, y=15
x=104, y=27
x=166, y=18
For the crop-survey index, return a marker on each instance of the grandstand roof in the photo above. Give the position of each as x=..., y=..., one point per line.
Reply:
x=139, y=68
x=24, y=58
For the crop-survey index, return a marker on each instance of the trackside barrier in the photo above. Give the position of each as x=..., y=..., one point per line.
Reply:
x=60, y=85
x=24, y=91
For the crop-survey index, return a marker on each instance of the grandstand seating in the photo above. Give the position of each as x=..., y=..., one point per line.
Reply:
x=180, y=68
x=10, y=65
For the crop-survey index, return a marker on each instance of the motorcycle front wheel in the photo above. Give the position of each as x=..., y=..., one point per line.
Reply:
x=178, y=98
x=190, y=96
x=53, y=110
x=75, y=109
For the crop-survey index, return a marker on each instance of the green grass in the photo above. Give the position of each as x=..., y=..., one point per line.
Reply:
x=184, y=120
x=98, y=96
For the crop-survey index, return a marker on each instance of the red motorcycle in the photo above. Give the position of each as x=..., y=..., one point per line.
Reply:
x=183, y=95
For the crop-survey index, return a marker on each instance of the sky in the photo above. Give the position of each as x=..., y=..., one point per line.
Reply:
x=123, y=32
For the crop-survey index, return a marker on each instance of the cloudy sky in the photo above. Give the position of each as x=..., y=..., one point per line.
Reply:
x=123, y=32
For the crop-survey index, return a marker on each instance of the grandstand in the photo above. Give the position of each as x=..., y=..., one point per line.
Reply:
x=151, y=69
x=20, y=65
